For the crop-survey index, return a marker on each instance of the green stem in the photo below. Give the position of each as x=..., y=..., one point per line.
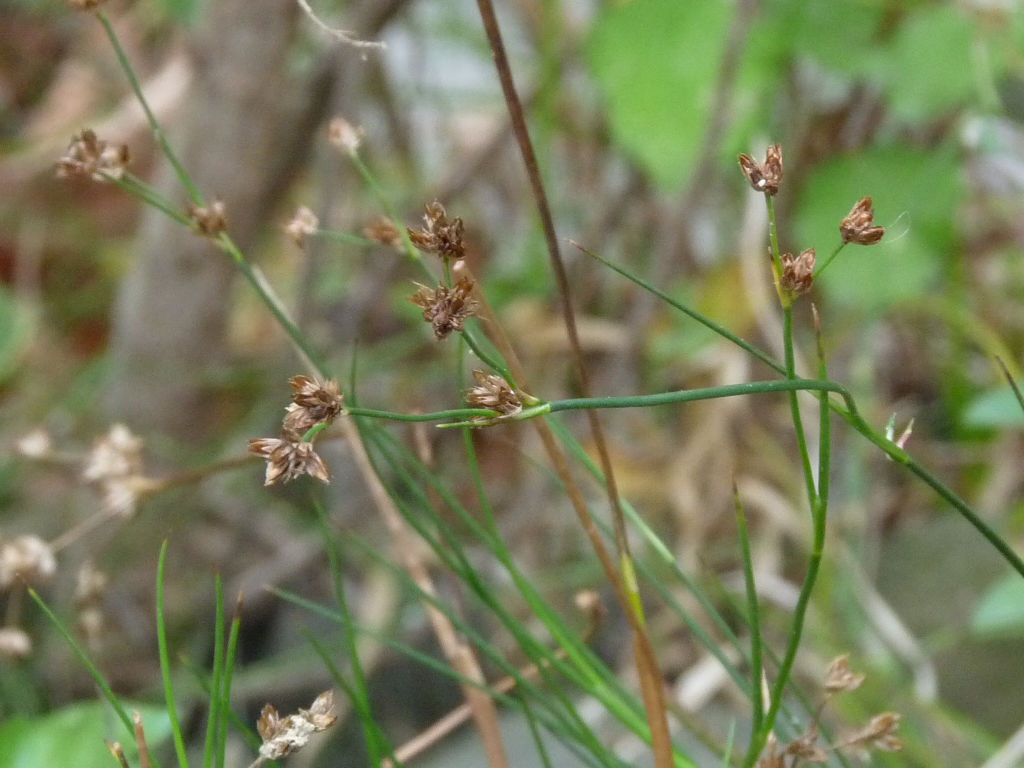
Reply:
x=165, y=147
x=754, y=623
x=165, y=662
x=794, y=406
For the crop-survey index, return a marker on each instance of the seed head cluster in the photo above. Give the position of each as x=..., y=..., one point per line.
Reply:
x=767, y=176
x=284, y=735
x=440, y=234
x=494, y=393
x=858, y=226
x=91, y=157
x=446, y=309
x=290, y=456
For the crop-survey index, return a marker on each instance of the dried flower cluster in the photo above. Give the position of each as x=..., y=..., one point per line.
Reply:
x=24, y=560
x=208, y=220
x=878, y=734
x=446, y=309
x=89, y=156
x=797, y=272
x=767, y=176
x=114, y=466
x=440, y=234
x=494, y=393
x=284, y=735
x=290, y=456
x=858, y=226
x=343, y=135
x=84, y=5
x=383, y=230
x=302, y=225
x=90, y=590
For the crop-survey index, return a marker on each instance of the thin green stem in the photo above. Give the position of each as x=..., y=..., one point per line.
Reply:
x=822, y=267
x=216, y=678
x=165, y=662
x=794, y=406
x=224, y=701
x=154, y=125
x=754, y=624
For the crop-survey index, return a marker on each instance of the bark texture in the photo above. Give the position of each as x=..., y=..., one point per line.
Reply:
x=232, y=135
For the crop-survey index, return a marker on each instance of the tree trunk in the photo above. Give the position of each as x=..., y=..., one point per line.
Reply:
x=168, y=336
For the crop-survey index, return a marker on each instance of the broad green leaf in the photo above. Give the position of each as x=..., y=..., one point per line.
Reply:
x=1001, y=610
x=17, y=323
x=915, y=196
x=74, y=736
x=997, y=408
x=930, y=69
x=656, y=64
x=842, y=37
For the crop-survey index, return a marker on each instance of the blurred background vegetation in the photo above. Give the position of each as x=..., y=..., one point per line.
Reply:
x=638, y=110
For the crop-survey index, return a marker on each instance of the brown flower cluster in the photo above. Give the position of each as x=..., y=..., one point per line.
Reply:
x=383, y=230
x=440, y=234
x=290, y=456
x=858, y=226
x=208, y=220
x=878, y=734
x=284, y=735
x=495, y=394
x=25, y=560
x=89, y=156
x=767, y=176
x=85, y=5
x=797, y=273
x=446, y=309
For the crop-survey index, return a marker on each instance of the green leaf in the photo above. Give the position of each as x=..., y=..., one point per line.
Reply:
x=996, y=408
x=656, y=64
x=1001, y=609
x=839, y=36
x=915, y=194
x=17, y=324
x=930, y=69
x=74, y=736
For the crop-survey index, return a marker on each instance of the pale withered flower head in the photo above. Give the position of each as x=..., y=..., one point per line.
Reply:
x=343, y=135
x=797, y=272
x=289, y=457
x=446, y=309
x=14, y=644
x=87, y=155
x=767, y=176
x=114, y=466
x=26, y=558
x=284, y=735
x=303, y=224
x=208, y=220
x=858, y=226
x=440, y=234
x=313, y=402
x=494, y=393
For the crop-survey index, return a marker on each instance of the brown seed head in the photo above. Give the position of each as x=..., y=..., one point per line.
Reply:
x=89, y=156
x=208, y=220
x=289, y=457
x=797, y=272
x=84, y=5
x=446, y=309
x=383, y=230
x=858, y=225
x=440, y=234
x=494, y=393
x=879, y=733
x=764, y=177
x=805, y=749
x=313, y=402
x=839, y=678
